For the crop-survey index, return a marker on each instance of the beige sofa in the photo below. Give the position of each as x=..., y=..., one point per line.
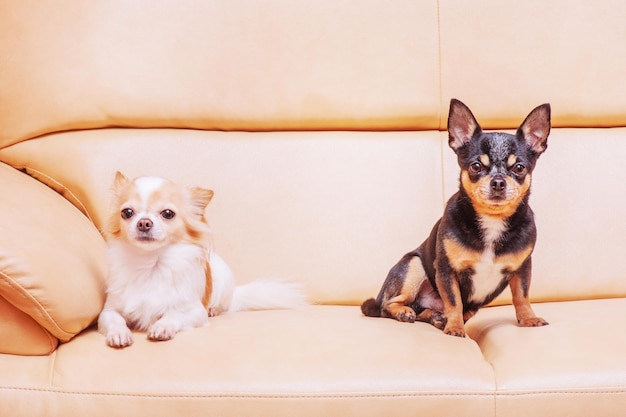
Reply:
x=321, y=128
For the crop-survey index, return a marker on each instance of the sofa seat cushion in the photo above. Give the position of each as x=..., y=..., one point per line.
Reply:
x=574, y=366
x=266, y=363
x=52, y=266
x=243, y=364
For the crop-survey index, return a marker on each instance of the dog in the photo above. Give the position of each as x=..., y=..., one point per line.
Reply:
x=485, y=238
x=164, y=276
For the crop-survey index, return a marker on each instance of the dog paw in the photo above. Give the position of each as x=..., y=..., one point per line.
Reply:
x=438, y=320
x=214, y=311
x=532, y=322
x=405, y=314
x=119, y=339
x=160, y=332
x=454, y=331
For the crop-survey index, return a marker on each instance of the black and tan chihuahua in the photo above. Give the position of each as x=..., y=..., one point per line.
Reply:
x=485, y=238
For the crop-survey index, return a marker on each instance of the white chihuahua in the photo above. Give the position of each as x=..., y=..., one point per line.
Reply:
x=164, y=276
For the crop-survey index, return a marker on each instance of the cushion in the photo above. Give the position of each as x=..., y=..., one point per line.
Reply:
x=52, y=265
x=333, y=210
x=84, y=66
x=21, y=334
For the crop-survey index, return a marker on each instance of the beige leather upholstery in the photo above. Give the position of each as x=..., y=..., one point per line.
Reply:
x=21, y=334
x=280, y=197
x=570, y=368
x=219, y=369
x=321, y=128
x=52, y=266
x=505, y=60
x=199, y=66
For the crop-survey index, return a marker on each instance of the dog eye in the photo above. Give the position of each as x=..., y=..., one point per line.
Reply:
x=476, y=167
x=519, y=169
x=168, y=214
x=127, y=213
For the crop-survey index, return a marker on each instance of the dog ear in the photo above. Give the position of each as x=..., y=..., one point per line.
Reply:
x=120, y=183
x=536, y=128
x=201, y=197
x=112, y=226
x=462, y=125
x=196, y=224
x=120, y=180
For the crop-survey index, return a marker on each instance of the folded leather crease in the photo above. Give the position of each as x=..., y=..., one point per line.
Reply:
x=22, y=335
x=56, y=186
x=20, y=296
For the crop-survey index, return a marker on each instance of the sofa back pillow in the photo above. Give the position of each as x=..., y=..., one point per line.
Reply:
x=21, y=335
x=52, y=264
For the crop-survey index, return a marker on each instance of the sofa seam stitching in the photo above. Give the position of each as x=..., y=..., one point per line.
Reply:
x=312, y=395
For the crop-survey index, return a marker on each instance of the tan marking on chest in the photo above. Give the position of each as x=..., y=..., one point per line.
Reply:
x=489, y=270
x=513, y=261
x=462, y=258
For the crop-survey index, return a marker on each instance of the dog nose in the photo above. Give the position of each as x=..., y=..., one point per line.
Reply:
x=498, y=184
x=144, y=225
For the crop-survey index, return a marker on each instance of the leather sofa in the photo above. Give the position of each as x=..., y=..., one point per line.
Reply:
x=321, y=128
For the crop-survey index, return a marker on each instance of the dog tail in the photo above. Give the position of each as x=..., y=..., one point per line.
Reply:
x=371, y=308
x=268, y=294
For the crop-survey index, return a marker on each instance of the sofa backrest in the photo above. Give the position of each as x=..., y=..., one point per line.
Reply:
x=326, y=65
x=225, y=65
x=298, y=198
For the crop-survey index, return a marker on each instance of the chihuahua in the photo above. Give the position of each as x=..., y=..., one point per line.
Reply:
x=164, y=276
x=485, y=238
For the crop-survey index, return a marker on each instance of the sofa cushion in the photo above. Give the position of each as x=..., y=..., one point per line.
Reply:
x=333, y=210
x=20, y=334
x=218, y=65
x=502, y=67
x=307, y=362
x=574, y=366
x=52, y=265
